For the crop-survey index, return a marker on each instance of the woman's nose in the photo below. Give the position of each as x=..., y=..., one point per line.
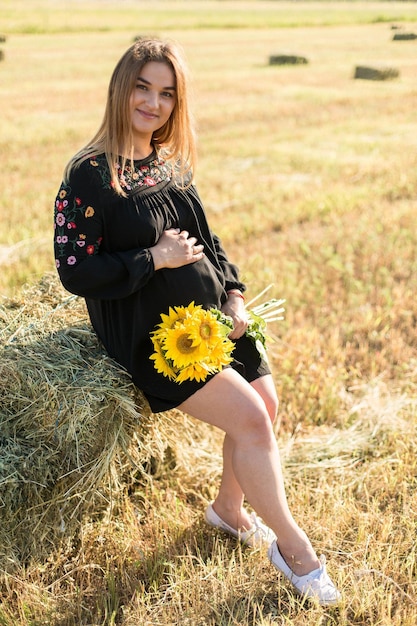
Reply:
x=153, y=99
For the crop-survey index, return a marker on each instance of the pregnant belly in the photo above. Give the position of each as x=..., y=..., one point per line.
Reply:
x=198, y=282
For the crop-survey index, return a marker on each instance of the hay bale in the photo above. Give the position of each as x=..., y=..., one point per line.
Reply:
x=69, y=424
x=376, y=72
x=404, y=36
x=76, y=436
x=287, y=59
x=2, y=40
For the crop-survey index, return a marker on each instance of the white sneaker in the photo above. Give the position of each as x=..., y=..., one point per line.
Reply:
x=316, y=584
x=257, y=534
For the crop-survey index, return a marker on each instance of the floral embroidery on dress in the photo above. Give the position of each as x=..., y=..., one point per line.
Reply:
x=145, y=175
x=67, y=241
x=70, y=210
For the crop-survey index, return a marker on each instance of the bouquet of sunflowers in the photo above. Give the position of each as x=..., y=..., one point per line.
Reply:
x=191, y=342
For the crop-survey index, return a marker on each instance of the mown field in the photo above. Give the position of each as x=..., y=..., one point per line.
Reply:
x=309, y=176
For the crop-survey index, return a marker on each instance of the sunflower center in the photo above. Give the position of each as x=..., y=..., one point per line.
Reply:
x=205, y=331
x=185, y=345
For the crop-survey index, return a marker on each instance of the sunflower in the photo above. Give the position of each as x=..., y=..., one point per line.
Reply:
x=161, y=364
x=179, y=348
x=175, y=315
x=206, y=329
x=191, y=343
x=196, y=371
x=186, y=312
x=220, y=354
x=169, y=321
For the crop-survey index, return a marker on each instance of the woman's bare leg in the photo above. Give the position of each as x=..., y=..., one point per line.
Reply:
x=229, y=501
x=228, y=402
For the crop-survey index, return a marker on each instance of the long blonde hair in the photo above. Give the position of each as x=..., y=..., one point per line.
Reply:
x=175, y=139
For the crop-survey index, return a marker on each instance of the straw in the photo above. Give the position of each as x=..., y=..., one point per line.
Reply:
x=72, y=424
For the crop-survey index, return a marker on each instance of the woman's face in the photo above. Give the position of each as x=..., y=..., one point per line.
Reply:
x=153, y=99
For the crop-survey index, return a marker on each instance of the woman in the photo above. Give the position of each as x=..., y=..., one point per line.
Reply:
x=131, y=237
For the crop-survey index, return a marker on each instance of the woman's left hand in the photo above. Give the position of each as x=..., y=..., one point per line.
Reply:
x=234, y=307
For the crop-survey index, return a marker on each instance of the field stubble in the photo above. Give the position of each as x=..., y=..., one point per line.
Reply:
x=312, y=189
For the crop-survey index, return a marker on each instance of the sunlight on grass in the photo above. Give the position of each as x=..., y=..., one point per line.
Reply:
x=72, y=16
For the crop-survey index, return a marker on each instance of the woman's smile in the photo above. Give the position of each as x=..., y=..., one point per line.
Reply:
x=146, y=114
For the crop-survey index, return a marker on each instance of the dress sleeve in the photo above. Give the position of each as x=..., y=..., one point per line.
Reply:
x=230, y=271
x=84, y=266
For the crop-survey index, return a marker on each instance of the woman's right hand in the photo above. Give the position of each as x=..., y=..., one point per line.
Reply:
x=176, y=248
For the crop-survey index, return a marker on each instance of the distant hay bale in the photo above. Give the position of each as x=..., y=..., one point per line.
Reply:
x=376, y=72
x=287, y=59
x=404, y=36
x=2, y=40
x=74, y=431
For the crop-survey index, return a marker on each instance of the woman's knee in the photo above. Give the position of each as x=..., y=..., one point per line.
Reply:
x=255, y=424
x=230, y=403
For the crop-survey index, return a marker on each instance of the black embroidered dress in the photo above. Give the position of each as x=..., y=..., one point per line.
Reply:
x=102, y=243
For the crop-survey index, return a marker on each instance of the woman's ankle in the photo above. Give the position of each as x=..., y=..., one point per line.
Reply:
x=234, y=515
x=299, y=556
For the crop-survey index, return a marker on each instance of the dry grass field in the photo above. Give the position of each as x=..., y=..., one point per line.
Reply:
x=309, y=176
